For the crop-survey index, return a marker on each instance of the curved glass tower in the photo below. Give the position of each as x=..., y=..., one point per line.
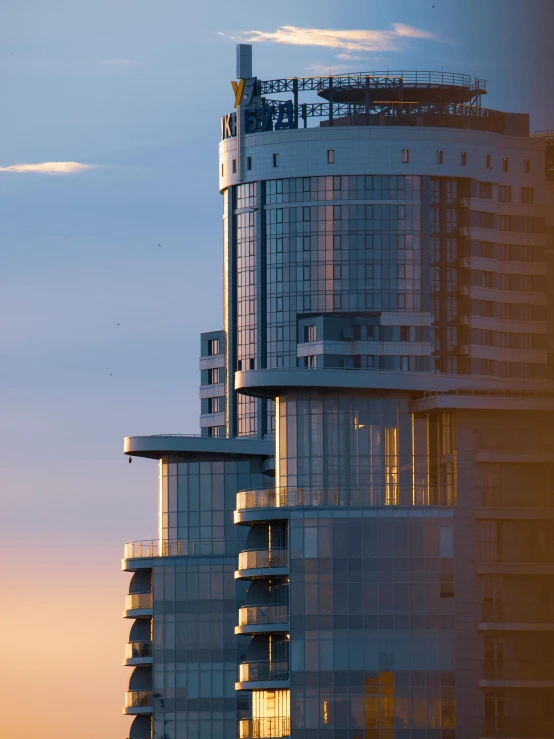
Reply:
x=359, y=545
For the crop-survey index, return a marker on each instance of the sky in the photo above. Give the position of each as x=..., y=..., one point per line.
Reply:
x=110, y=267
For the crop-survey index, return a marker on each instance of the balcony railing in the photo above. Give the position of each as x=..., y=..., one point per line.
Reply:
x=387, y=495
x=177, y=548
x=138, y=649
x=518, y=727
x=138, y=699
x=498, y=612
x=491, y=551
x=263, y=671
x=262, y=615
x=134, y=601
x=517, y=497
x=264, y=728
x=502, y=669
x=263, y=558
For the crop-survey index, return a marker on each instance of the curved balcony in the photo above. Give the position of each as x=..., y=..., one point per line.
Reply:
x=255, y=563
x=137, y=702
x=138, y=653
x=272, y=675
x=153, y=548
x=272, y=504
x=138, y=605
x=262, y=619
x=264, y=728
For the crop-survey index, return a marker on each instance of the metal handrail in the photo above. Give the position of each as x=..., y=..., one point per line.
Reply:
x=178, y=548
x=138, y=698
x=138, y=649
x=262, y=558
x=363, y=497
x=263, y=670
x=258, y=728
x=263, y=614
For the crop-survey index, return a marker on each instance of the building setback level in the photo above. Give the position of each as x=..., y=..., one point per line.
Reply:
x=359, y=543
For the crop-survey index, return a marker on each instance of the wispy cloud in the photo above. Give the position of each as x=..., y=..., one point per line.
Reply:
x=48, y=167
x=119, y=63
x=350, y=57
x=365, y=41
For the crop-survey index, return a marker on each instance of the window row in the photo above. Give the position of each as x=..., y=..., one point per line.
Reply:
x=486, y=191
x=506, y=252
x=500, y=281
x=504, y=340
x=522, y=224
x=511, y=311
x=351, y=187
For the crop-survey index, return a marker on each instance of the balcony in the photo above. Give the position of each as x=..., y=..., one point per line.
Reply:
x=268, y=503
x=531, y=497
x=518, y=557
x=262, y=619
x=530, y=673
x=518, y=727
x=262, y=563
x=272, y=675
x=517, y=615
x=137, y=605
x=137, y=702
x=138, y=653
x=153, y=548
x=264, y=728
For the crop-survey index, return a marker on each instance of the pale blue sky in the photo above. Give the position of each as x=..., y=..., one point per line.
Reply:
x=137, y=89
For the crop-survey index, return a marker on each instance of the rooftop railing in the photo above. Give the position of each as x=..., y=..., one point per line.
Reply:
x=391, y=495
x=177, y=548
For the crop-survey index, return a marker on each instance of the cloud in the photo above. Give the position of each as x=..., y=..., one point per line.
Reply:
x=48, y=167
x=351, y=57
x=366, y=41
x=119, y=63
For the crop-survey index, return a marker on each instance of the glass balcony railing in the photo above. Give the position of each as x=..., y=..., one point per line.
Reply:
x=503, y=669
x=263, y=671
x=263, y=558
x=263, y=615
x=529, y=497
x=517, y=727
x=138, y=649
x=134, y=601
x=177, y=548
x=386, y=495
x=264, y=728
x=138, y=699
x=532, y=613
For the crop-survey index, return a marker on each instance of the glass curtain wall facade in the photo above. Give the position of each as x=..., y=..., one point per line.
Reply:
x=358, y=546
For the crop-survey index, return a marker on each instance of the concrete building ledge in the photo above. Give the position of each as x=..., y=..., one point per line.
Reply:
x=155, y=447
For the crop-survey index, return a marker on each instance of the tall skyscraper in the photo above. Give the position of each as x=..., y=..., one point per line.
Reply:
x=360, y=543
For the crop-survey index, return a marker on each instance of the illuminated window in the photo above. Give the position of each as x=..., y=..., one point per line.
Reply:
x=222, y=170
x=213, y=431
x=391, y=466
x=213, y=376
x=330, y=156
x=215, y=405
x=405, y=156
